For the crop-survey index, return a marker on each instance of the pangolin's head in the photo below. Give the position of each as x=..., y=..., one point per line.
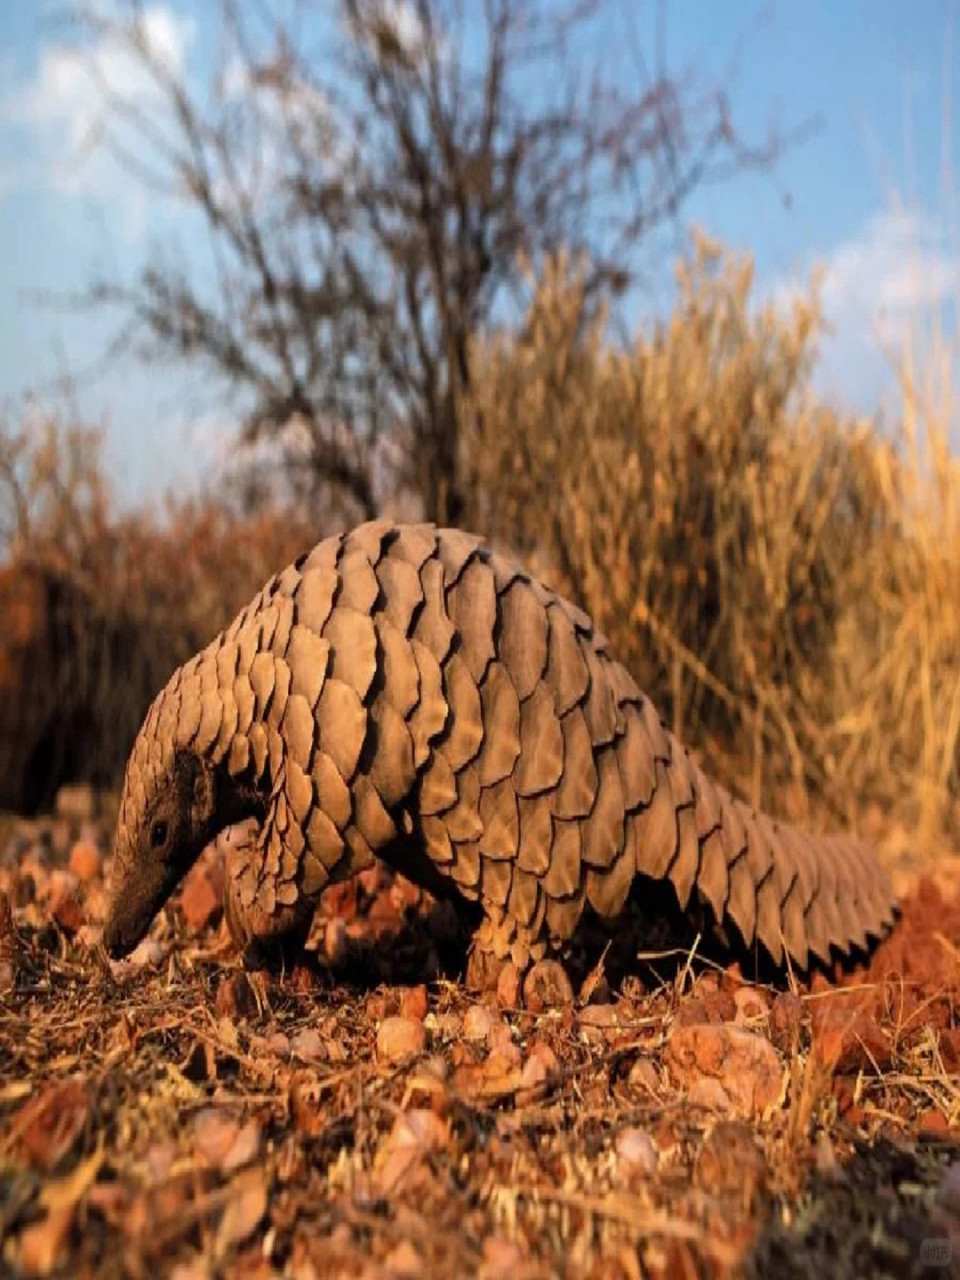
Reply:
x=167, y=815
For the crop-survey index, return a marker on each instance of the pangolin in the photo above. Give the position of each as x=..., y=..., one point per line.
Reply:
x=408, y=693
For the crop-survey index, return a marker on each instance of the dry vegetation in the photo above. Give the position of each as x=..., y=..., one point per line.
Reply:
x=363, y=1117
x=101, y=607
x=783, y=581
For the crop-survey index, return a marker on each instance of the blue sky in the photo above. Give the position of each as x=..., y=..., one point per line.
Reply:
x=864, y=197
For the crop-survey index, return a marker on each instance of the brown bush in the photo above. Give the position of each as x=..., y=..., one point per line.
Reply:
x=778, y=579
x=99, y=609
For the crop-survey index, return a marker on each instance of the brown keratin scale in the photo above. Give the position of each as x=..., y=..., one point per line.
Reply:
x=405, y=692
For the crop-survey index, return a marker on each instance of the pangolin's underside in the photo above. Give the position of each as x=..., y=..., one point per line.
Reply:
x=406, y=692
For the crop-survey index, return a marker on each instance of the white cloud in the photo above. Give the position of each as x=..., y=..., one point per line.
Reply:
x=898, y=265
x=876, y=289
x=61, y=109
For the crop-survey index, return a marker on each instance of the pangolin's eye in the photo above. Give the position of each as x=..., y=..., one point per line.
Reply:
x=158, y=834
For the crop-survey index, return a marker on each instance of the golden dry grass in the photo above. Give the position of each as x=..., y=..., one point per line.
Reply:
x=783, y=581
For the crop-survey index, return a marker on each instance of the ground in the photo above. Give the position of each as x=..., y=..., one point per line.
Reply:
x=365, y=1116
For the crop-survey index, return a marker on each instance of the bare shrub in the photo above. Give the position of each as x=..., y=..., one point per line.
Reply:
x=369, y=175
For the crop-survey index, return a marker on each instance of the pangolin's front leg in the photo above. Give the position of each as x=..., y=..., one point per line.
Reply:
x=406, y=692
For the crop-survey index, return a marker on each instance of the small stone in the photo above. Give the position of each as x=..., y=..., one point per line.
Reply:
x=547, y=986
x=309, y=1046
x=932, y=1121
x=148, y=954
x=534, y=1073
x=195, y=1268
x=745, y=1064
x=421, y=1126
x=636, y=1152
x=720, y=1006
x=86, y=861
x=223, y=1142
x=541, y=1052
x=415, y=1134
x=399, y=1040
x=278, y=1043
x=508, y=986
x=477, y=1022
x=436, y=1067
x=601, y=1016
x=426, y=1086
x=61, y=885
x=379, y=1005
x=503, y=1059
x=499, y=1035
x=751, y=1003
x=51, y=1121
x=413, y=1003
x=95, y=902
x=243, y=1212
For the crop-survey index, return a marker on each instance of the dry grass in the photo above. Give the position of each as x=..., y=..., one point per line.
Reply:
x=107, y=604
x=153, y=1115
x=784, y=582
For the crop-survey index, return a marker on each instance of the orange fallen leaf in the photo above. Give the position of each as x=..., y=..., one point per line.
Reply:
x=244, y=1211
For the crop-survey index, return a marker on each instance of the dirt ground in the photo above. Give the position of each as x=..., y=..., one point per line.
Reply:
x=365, y=1116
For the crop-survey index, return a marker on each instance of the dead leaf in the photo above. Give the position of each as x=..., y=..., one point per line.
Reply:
x=415, y=1134
x=47, y=1127
x=477, y=1022
x=223, y=1142
x=400, y=1039
x=244, y=1211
